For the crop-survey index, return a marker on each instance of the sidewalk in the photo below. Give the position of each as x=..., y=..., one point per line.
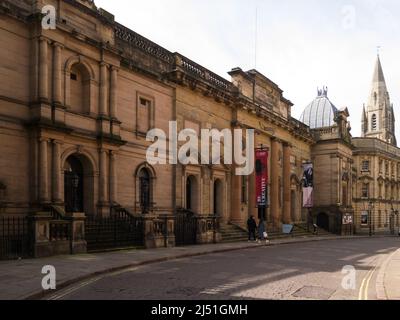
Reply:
x=392, y=277
x=22, y=279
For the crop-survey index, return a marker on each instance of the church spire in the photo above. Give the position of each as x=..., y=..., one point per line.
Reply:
x=379, y=116
x=378, y=73
x=364, y=122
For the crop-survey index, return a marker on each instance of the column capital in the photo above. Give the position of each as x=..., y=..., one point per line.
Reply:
x=113, y=153
x=58, y=45
x=114, y=68
x=44, y=39
x=276, y=140
x=103, y=64
x=287, y=144
x=58, y=142
x=44, y=139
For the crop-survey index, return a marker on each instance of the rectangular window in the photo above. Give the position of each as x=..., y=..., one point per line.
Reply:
x=365, y=165
x=144, y=114
x=365, y=190
x=364, y=218
x=74, y=76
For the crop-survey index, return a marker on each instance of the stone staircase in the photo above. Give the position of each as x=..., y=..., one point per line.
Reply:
x=232, y=233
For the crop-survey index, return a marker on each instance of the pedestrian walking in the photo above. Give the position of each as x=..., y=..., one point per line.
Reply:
x=252, y=226
x=261, y=230
x=262, y=233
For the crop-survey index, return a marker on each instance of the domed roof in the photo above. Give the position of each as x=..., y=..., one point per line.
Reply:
x=321, y=112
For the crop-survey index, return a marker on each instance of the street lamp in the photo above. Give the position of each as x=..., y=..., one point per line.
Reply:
x=370, y=207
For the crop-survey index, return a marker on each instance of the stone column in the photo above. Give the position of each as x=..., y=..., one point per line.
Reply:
x=275, y=182
x=113, y=92
x=44, y=176
x=57, y=172
x=103, y=177
x=113, y=178
x=43, y=69
x=287, y=151
x=57, y=74
x=236, y=215
x=103, y=89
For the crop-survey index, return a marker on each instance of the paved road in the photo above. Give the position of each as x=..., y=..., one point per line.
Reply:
x=296, y=271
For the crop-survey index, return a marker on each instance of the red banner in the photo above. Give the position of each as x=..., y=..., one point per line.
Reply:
x=261, y=177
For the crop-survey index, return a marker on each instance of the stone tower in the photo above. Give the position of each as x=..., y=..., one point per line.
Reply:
x=378, y=119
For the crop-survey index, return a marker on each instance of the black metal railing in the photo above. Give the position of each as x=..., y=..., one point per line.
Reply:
x=185, y=228
x=15, y=238
x=60, y=230
x=119, y=230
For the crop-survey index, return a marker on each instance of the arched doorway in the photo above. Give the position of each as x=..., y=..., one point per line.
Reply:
x=323, y=221
x=218, y=198
x=191, y=194
x=145, y=190
x=73, y=185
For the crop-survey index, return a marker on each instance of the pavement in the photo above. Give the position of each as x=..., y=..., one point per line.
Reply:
x=22, y=279
x=390, y=276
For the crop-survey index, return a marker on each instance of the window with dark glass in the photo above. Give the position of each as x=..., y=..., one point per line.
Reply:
x=144, y=190
x=365, y=165
x=365, y=190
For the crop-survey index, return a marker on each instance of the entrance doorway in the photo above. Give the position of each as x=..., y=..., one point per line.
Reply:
x=218, y=198
x=191, y=194
x=73, y=185
x=323, y=221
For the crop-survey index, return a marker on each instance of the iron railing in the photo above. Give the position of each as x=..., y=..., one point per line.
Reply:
x=119, y=230
x=15, y=238
x=185, y=228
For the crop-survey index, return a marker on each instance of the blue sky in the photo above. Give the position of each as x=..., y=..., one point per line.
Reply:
x=301, y=44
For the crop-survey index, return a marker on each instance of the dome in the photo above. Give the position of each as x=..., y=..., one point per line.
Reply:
x=320, y=113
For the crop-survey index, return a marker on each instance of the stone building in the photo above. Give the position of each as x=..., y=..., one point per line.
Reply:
x=377, y=162
x=77, y=101
x=356, y=176
x=332, y=156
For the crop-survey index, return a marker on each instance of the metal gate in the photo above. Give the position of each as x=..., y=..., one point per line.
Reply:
x=15, y=238
x=185, y=228
x=117, y=231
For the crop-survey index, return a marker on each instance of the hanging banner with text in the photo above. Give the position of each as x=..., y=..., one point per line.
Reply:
x=261, y=177
x=308, y=187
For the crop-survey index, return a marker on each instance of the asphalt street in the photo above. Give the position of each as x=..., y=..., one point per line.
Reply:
x=302, y=271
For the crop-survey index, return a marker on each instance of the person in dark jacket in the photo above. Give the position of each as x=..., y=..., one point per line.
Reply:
x=252, y=226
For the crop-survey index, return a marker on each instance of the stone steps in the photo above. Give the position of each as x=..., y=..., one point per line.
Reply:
x=231, y=233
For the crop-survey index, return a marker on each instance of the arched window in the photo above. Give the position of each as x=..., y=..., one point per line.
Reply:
x=79, y=89
x=144, y=190
x=374, y=123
